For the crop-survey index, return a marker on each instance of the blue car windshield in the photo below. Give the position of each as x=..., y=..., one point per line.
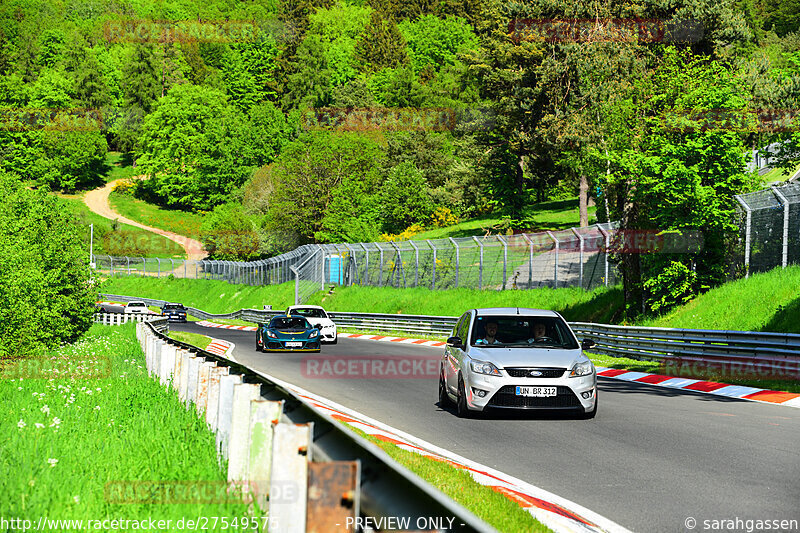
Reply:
x=290, y=323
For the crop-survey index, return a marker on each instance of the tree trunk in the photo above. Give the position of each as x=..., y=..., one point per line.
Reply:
x=631, y=265
x=583, y=207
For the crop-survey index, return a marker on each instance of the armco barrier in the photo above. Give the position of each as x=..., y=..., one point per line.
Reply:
x=317, y=473
x=779, y=350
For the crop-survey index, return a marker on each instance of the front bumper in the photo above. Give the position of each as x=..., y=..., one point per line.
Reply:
x=176, y=318
x=328, y=334
x=500, y=392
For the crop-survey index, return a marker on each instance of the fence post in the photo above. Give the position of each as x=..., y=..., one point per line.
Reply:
x=785, y=204
x=354, y=262
x=380, y=273
x=458, y=255
x=580, y=267
x=321, y=253
x=416, y=263
x=366, y=264
x=480, y=264
x=296, y=285
x=433, y=275
x=505, y=260
x=128, y=264
x=748, y=221
x=530, y=259
x=111, y=266
x=159, y=267
x=555, y=269
x=605, y=252
x=400, y=260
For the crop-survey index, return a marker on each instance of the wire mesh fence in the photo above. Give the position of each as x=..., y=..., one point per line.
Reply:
x=770, y=228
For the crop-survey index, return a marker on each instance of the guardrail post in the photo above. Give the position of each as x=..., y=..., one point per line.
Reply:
x=176, y=370
x=334, y=493
x=263, y=415
x=416, y=263
x=555, y=268
x=194, y=373
x=785, y=203
x=183, y=379
x=455, y=244
x=226, y=384
x=433, y=273
x=747, y=228
x=238, y=445
x=167, y=363
x=290, y=457
x=505, y=260
x=212, y=408
x=203, y=377
x=605, y=252
x=580, y=261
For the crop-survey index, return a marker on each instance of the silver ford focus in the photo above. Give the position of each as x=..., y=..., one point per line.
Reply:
x=516, y=358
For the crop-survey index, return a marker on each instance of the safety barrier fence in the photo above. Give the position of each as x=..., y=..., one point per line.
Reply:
x=301, y=466
x=773, y=350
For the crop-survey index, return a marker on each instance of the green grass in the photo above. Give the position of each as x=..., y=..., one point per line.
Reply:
x=118, y=166
x=117, y=428
x=777, y=174
x=195, y=339
x=215, y=296
x=111, y=238
x=769, y=301
x=547, y=216
x=655, y=367
x=174, y=220
x=487, y=504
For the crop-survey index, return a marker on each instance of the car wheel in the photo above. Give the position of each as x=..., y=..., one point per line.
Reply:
x=461, y=407
x=444, y=398
x=591, y=414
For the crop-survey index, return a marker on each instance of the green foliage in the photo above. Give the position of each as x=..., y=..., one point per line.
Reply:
x=381, y=45
x=671, y=286
x=434, y=42
x=405, y=198
x=229, y=234
x=46, y=296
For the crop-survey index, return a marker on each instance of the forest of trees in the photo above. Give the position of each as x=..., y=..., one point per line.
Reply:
x=220, y=125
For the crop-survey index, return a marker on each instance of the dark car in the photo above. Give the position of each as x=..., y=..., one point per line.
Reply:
x=287, y=334
x=174, y=312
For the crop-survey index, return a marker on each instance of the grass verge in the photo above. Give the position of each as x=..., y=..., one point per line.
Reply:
x=64, y=441
x=113, y=238
x=546, y=216
x=655, y=367
x=487, y=504
x=195, y=339
x=174, y=220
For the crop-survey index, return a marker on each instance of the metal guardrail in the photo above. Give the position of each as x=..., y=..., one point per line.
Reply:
x=384, y=488
x=650, y=343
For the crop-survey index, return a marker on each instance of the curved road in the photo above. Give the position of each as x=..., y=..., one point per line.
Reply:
x=97, y=201
x=651, y=458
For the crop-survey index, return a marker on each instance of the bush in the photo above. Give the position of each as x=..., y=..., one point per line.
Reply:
x=46, y=296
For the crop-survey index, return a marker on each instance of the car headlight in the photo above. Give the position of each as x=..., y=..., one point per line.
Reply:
x=581, y=369
x=271, y=334
x=484, y=367
x=314, y=333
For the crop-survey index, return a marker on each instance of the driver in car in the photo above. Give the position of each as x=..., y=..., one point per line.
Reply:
x=490, y=337
x=539, y=333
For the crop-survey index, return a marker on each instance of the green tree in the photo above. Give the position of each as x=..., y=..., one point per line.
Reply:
x=46, y=296
x=381, y=45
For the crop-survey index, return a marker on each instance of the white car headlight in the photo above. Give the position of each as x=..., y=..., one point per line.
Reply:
x=484, y=367
x=314, y=333
x=581, y=369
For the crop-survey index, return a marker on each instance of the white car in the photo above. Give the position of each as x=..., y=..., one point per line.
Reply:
x=319, y=318
x=516, y=358
x=136, y=307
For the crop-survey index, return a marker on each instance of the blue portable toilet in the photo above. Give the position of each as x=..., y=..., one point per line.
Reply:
x=333, y=265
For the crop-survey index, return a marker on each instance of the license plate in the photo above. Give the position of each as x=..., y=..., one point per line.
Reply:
x=539, y=392
x=294, y=344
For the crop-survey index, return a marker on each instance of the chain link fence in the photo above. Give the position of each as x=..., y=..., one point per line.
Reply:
x=770, y=228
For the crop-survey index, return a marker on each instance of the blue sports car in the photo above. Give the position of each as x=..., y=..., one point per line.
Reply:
x=287, y=334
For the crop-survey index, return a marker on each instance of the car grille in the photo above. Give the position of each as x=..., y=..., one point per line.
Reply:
x=521, y=372
x=506, y=397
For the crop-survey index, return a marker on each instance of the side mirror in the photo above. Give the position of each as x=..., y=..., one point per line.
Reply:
x=587, y=344
x=455, y=342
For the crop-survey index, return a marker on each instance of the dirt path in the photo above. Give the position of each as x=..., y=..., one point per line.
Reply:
x=97, y=201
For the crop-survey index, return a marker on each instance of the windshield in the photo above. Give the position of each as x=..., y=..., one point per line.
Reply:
x=136, y=304
x=173, y=306
x=309, y=312
x=530, y=331
x=289, y=323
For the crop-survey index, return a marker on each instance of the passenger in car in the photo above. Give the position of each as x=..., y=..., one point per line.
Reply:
x=490, y=337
